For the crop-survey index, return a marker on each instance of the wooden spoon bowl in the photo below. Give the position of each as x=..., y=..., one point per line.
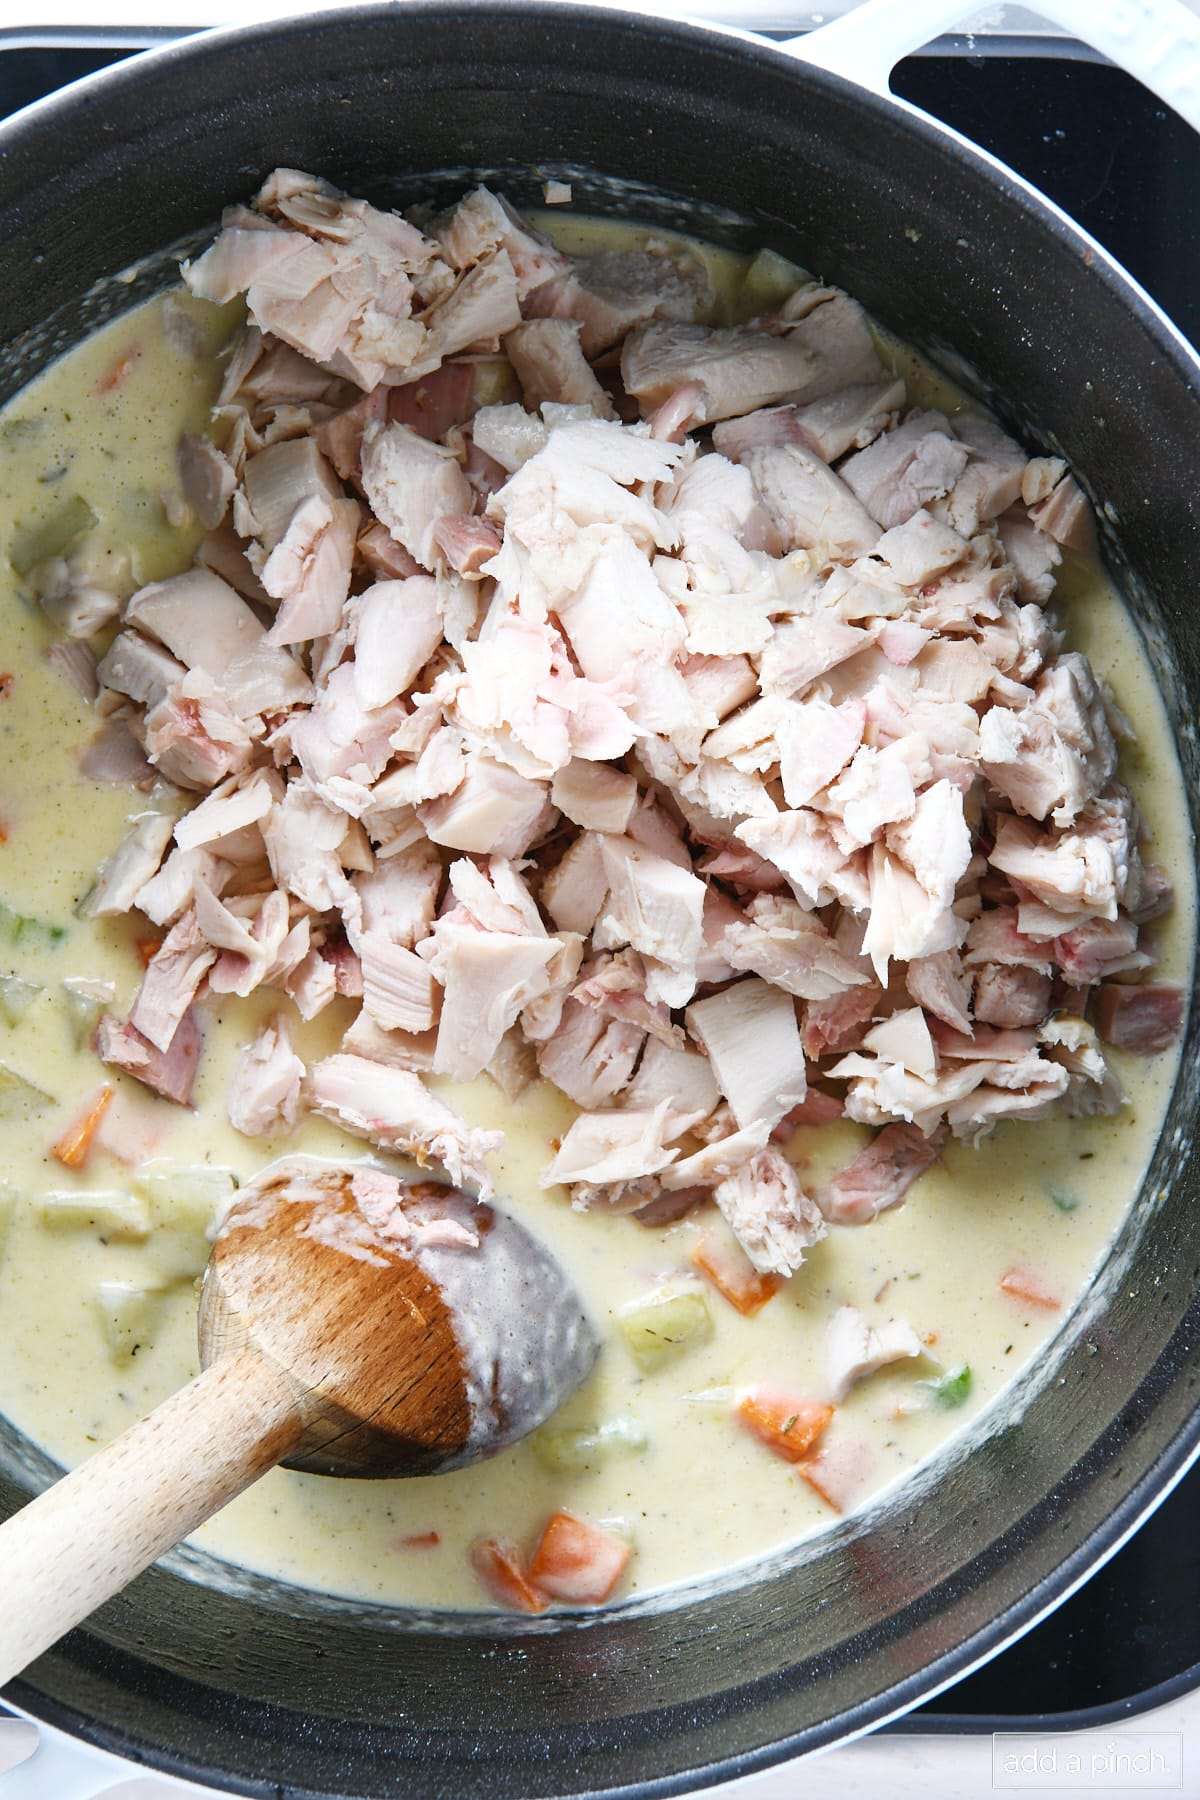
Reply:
x=422, y=1333
x=349, y=1325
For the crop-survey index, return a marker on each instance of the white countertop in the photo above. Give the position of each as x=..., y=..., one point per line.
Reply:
x=37, y=1765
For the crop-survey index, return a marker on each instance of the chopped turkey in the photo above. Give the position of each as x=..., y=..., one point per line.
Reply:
x=655, y=907
x=393, y=1109
x=646, y=759
x=992, y=481
x=854, y=1349
x=879, y=1176
x=771, y=1216
x=411, y=484
x=729, y=370
x=132, y=864
x=264, y=1095
x=170, y=1072
x=591, y=1057
x=609, y=293
x=193, y=737
x=399, y=626
x=810, y=506
x=491, y=809
x=847, y=419
x=906, y=468
x=1055, y=753
x=791, y=948
x=398, y=989
x=203, y=622
x=1033, y=555
x=941, y=985
x=550, y=365
x=82, y=589
x=1145, y=1019
x=135, y=666
x=751, y=1037
x=488, y=978
x=1064, y=515
x=615, y=1147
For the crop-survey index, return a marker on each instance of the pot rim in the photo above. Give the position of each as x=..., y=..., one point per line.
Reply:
x=106, y=88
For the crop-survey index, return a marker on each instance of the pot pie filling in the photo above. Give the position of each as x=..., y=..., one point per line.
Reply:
x=585, y=712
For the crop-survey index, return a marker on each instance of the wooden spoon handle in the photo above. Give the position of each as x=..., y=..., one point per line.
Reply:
x=83, y=1539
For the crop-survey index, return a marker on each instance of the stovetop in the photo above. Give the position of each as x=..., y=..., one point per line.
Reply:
x=1105, y=149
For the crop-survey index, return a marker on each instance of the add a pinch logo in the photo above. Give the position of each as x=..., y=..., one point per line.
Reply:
x=1087, y=1762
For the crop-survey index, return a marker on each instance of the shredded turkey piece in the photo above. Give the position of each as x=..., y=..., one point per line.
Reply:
x=595, y=690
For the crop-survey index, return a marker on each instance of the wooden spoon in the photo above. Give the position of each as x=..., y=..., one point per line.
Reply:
x=349, y=1325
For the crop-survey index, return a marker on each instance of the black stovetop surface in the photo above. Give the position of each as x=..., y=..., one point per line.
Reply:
x=1127, y=170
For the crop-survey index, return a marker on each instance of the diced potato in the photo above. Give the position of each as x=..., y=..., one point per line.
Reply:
x=184, y=1201
x=120, y=1216
x=184, y=1192
x=16, y=998
x=573, y=1449
x=86, y=1000
x=665, y=1325
x=128, y=1317
x=20, y=1099
x=34, y=544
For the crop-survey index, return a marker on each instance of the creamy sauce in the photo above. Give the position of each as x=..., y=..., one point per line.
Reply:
x=699, y=1495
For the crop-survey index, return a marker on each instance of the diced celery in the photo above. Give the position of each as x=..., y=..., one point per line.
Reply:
x=19, y=927
x=9, y=1195
x=34, y=544
x=665, y=1325
x=184, y=1200
x=1064, y=1202
x=768, y=282
x=16, y=998
x=572, y=1449
x=128, y=1317
x=950, y=1389
x=86, y=1000
x=111, y=1215
x=20, y=1099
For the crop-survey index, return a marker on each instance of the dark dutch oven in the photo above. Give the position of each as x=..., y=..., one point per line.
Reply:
x=265, y=1690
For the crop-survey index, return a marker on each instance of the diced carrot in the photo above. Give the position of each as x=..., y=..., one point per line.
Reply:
x=1024, y=1284
x=838, y=1471
x=578, y=1561
x=785, y=1424
x=732, y=1273
x=419, y=1540
x=500, y=1565
x=117, y=370
x=75, y=1145
x=147, y=948
x=6, y=682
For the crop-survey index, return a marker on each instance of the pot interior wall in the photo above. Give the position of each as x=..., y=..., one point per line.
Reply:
x=270, y=1690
